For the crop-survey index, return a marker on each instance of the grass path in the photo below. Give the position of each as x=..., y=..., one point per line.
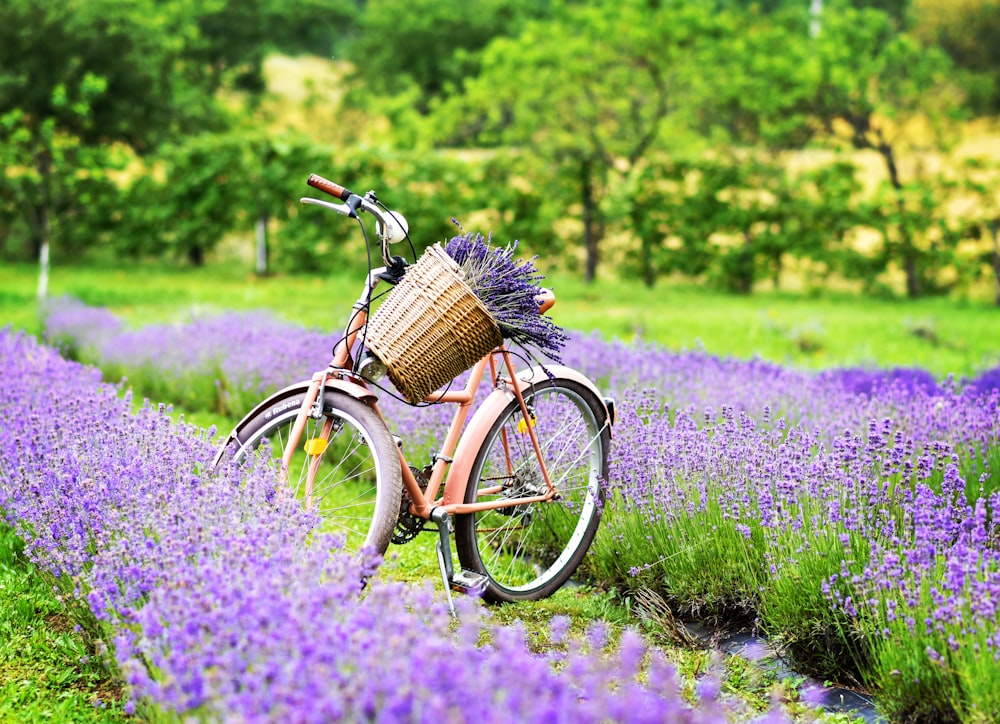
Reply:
x=944, y=336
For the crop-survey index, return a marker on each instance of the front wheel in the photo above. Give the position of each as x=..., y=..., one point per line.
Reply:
x=528, y=551
x=350, y=477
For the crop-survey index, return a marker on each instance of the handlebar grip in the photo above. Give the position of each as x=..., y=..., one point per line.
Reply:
x=318, y=182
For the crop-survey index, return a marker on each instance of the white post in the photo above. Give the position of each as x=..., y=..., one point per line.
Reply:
x=43, y=271
x=815, y=10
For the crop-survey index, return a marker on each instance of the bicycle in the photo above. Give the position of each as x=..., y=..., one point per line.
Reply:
x=521, y=488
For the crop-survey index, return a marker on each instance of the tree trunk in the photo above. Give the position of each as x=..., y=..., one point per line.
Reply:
x=910, y=269
x=592, y=225
x=648, y=272
x=43, y=271
x=196, y=255
x=995, y=233
x=912, y=273
x=743, y=276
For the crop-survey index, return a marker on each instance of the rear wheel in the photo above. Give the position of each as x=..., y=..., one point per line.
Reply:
x=528, y=551
x=356, y=485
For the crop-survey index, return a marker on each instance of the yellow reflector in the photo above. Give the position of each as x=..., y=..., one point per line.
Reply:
x=316, y=446
x=522, y=426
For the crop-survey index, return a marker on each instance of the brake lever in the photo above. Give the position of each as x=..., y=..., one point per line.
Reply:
x=394, y=271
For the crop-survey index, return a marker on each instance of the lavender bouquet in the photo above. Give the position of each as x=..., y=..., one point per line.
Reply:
x=508, y=288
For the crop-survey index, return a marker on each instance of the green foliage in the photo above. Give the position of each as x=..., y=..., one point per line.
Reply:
x=75, y=77
x=858, y=79
x=234, y=38
x=914, y=235
x=428, y=45
x=684, y=550
x=587, y=90
x=98, y=71
x=981, y=217
x=735, y=220
x=430, y=188
x=667, y=135
x=78, y=77
x=54, y=187
x=966, y=30
x=213, y=184
x=197, y=204
x=761, y=85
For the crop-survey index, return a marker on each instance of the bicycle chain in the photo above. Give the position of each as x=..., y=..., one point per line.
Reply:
x=407, y=524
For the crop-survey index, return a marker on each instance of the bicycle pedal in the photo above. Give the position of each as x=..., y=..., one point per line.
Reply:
x=469, y=582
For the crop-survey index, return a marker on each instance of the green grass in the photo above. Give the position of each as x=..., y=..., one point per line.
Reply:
x=833, y=329
x=944, y=336
x=47, y=669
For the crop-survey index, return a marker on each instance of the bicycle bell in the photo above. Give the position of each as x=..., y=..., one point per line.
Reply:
x=395, y=228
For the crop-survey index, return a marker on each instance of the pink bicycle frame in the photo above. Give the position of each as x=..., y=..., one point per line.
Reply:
x=338, y=376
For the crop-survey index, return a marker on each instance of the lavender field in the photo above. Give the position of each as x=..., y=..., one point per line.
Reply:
x=847, y=514
x=215, y=602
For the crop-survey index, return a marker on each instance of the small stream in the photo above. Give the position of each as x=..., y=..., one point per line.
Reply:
x=833, y=699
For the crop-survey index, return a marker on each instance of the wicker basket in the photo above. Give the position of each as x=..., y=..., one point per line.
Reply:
x=431, y=327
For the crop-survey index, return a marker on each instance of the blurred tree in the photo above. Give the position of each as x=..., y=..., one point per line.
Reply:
x=80, y=80
x=969, y=32
x=234, y=38
x=882, y=90
x=76, y=78
x=914, y=233
x=759, y=81
x=896, y=9
x=668, y=212
x=736, y=219
x=214, y=184
x=38, y=205
x=741, y=212
x=428, y=46
x=199, y=200
x=274, y=171
x=587, y=91
x=980, y=216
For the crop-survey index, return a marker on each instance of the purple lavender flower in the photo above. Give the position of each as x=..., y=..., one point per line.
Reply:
x=509, y=288
x=985, y=382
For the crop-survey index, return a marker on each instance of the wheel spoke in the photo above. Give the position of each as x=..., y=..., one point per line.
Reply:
x=356, y=483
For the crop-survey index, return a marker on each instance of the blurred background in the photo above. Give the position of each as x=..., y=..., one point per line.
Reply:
x=806, y=147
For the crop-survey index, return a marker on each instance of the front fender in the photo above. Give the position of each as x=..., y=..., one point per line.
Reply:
x=289, y=397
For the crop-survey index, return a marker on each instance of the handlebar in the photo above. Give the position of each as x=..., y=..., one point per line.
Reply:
x=395, y=266
x=391, y=226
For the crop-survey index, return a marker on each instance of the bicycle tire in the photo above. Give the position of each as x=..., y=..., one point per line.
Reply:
x=527, y=552
x=359, y=483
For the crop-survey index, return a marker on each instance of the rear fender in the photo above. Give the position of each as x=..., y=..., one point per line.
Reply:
x=481, y=422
